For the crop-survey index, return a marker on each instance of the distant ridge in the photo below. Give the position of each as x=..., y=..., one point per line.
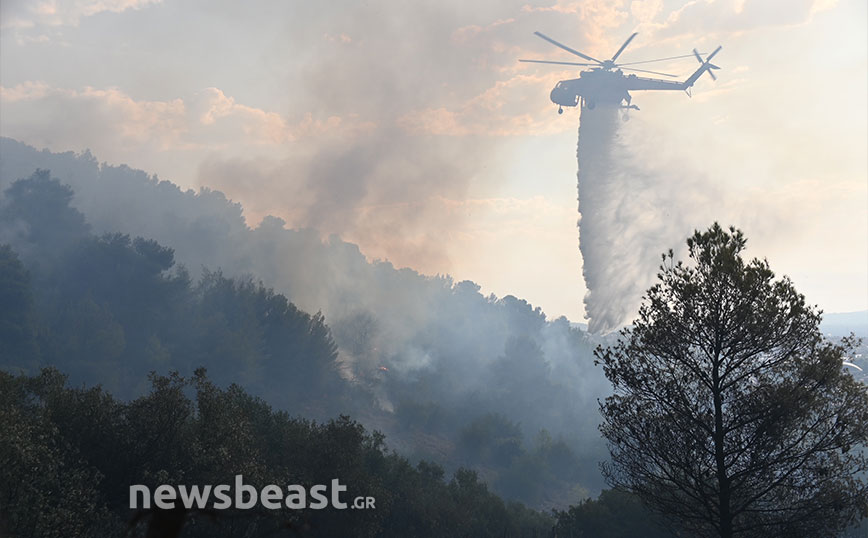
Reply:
x=834, y=324
x=843, y=323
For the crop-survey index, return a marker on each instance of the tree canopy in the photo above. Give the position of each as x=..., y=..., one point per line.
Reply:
x=731, y=413
x=69, y=455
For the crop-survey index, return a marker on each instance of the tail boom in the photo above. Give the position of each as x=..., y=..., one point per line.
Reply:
x=706, y=66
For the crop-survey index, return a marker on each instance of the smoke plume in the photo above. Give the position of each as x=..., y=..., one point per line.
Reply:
x=625, y=222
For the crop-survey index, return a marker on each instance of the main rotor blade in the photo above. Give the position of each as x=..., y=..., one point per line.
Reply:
x=566, y=48
x=624, y=46
x=660, y=59
x=710, y=56
x=652, y=72
x=553, y=62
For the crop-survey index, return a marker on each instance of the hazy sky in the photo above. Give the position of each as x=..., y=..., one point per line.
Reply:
x=411, y=129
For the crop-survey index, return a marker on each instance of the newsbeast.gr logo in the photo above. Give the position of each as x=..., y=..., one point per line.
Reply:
x=245, y=496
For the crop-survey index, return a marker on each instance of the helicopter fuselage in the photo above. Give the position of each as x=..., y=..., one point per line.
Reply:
x=612, y=87
x=593, y=87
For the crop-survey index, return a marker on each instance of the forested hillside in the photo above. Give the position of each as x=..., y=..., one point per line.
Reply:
x=122, y=275
x=71, y=455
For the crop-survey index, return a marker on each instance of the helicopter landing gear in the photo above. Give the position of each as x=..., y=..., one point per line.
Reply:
x=560, y=110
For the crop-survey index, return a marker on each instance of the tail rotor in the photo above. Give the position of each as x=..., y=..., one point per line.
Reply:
x=710, y=65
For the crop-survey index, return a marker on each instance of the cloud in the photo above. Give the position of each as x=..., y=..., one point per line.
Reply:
x=209, y=119
x=95, y=115
x=343, y=39
x=645, y=10
x=596, y=18
x=716, y=18
x=464, y=33
x=513, y=107
x=22, y=14
x=267, y=127
x=170, y=137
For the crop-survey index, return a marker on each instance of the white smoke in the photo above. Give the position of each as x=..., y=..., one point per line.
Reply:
x=630, y=215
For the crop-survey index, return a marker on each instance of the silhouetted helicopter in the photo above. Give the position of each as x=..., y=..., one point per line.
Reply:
x=607, y=84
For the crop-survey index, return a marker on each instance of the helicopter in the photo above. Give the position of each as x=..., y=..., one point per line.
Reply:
x=606, y=84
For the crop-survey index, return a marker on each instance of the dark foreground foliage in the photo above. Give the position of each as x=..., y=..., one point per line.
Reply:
x=69, y=455
x=732, y=413
x=614, y=514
